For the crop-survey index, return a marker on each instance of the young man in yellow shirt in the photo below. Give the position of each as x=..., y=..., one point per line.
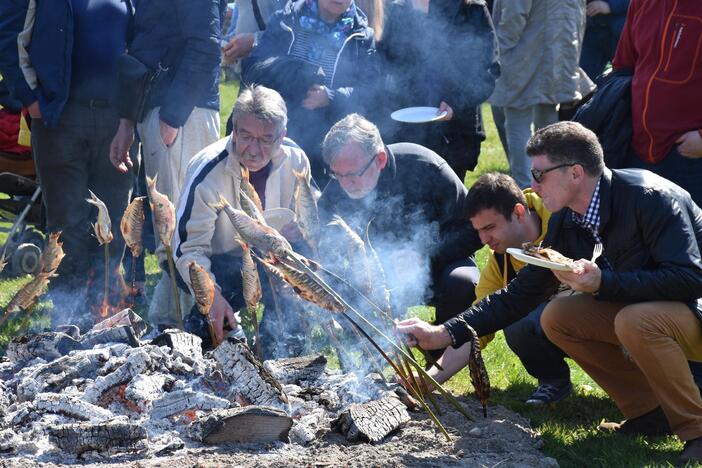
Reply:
x=505, y=217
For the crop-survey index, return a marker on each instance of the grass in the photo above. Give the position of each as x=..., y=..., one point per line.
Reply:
x=567, y=428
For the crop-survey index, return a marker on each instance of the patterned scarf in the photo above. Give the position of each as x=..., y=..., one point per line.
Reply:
x=337, y=32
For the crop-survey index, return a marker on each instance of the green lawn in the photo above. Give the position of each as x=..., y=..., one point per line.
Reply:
x=568, y=428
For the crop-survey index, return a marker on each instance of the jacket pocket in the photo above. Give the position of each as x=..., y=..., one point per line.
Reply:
x=681, y=49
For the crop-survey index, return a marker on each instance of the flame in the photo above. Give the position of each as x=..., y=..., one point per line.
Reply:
x=185, y=417
x=119, y=293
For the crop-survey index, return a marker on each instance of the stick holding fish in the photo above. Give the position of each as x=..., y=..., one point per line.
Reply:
x=103, y=233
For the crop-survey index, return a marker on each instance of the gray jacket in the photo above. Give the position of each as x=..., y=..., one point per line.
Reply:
x=539, y=43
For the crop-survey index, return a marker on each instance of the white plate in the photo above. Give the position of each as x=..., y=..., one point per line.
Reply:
x=417, y=114
x=278, y=217
x=523, y=257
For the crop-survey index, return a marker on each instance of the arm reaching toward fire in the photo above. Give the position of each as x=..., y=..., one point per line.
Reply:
x=221, y=311
x=424, y=334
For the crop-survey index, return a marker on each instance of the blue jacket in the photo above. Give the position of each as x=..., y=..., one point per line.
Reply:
x=191, y=30
x=46, y=59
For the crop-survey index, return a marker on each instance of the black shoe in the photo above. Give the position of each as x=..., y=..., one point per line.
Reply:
x=653, y=424
x=546, y=394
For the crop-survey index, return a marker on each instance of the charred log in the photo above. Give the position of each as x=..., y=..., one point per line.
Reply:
x=121, y=334
x=372, y=421
x=249, y=381
x=143, y=390
x=297, y=369
x=182, y=400
x=47, y=346
x=137, y=363
x=185, y=343
x=124, y=318
x=254, y=424
x=71, y=405
x=79, y=438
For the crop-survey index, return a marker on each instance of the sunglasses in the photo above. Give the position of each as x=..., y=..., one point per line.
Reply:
x=538, y=174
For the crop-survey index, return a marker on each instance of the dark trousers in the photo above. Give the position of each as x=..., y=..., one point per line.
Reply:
x=281, y=330
x=542, y=359
x=599, y=45
x=454, y=289
x=72, y=158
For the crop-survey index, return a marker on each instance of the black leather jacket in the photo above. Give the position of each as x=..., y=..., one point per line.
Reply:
x=651, y=230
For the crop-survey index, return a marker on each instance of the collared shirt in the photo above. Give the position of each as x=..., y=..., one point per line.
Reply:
x=591, y=221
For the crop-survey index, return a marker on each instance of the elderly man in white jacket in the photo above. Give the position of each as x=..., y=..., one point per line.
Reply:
x=207, y=236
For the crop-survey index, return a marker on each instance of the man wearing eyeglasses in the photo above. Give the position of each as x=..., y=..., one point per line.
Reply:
x=207, y=236
x=410, y=202
x=642, y=294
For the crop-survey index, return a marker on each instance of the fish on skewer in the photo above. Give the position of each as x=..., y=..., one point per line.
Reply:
x=204, y=292
x=163, y=211
x=353, y=261
x=250, y=208
x=132, y=226
x=478, y=372
x=25, y=298
x=263, y=237
x=52, y=254
x=306, y=209
x=248, y=188
x=103, y=225
x=252, y=292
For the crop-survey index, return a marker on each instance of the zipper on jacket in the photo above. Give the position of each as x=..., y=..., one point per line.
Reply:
x=292, y=34
x=338, y=56
x=679, y=28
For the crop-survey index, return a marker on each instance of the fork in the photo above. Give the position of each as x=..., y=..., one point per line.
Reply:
x=596, y=252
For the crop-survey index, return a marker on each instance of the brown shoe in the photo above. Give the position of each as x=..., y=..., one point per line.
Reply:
x=653, y=424
x=692, y=451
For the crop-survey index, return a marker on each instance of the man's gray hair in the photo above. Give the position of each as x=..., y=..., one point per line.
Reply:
x=354, y=128
x=263, y=103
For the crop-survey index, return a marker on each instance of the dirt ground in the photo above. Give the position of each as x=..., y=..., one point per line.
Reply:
x=504, y=439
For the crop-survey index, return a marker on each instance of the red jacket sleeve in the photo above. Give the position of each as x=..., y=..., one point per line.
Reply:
x=626, y=55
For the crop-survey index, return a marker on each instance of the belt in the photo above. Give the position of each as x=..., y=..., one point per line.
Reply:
x=93, y=103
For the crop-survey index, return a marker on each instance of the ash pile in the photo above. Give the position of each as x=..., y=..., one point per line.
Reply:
x=69, y=397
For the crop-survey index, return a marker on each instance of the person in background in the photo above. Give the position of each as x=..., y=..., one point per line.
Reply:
x=181, y=37
x=539, y=45
x=320, y=56
x=605, y=21
x=438, y=53
x=59, y=60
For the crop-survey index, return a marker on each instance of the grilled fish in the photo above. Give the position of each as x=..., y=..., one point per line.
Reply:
x=263, y=237
x=249, y=189
x=28, y=294
x=53, y=253
x=250, y=280
x=163, y=212
x=132, y=226
x=203, y=287
x=103, y=225
x=545, y=253
x=478, y=372
x=306, y=209
x=250, y=208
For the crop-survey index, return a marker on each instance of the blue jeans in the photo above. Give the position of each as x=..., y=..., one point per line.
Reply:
x=542, y=359
x=599, y=45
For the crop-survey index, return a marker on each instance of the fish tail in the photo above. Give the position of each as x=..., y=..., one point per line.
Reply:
x=219, y=205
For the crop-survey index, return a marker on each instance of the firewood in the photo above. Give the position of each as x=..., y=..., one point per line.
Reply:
x=143, y=390
x=137, y=363
x=372, y=421
x=185, y=343
x=298, y=369
x=182, y=400
x=247, y=376
x=253, y=424
x=47, y=346
x=71, y=405
x=120, y=334
x=79, y=438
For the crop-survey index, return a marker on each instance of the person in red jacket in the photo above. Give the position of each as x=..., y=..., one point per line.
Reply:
x=661, y=43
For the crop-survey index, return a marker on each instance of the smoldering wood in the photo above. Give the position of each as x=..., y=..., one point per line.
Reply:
x=22, y=413
x=179, y=341
x=137, y=363
x=182, y=400
x=372, y=421
x=79, y=438
x=125, y=317
x=144, y=389
x=47, y=346
x=120, y=334
x=71, y=405
x=298, y=369
x=55, y=375
x=252, y=424
x=247, y=376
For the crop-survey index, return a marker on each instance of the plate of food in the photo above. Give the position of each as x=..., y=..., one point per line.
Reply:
x=418, y=114
x=278, y=217
x=535, y=254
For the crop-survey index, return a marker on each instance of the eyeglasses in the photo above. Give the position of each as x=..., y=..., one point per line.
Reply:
x=265, y=143
x=538, y=174
x=357, y=174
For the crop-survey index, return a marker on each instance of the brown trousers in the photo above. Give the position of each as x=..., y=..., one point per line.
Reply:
x=659, y=338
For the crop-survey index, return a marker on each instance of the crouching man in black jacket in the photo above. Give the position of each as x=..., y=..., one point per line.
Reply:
x=642, y=294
